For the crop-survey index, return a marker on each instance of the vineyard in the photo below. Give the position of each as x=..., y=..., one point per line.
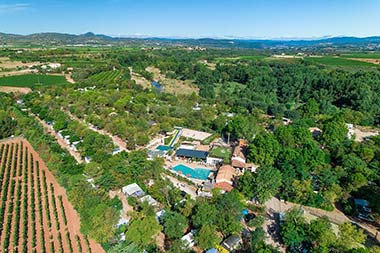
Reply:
x=107, y=76
x=35, y=214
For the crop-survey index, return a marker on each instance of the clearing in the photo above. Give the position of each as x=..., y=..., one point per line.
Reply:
x=6, y=63
x=174, y=86
x=8, y=89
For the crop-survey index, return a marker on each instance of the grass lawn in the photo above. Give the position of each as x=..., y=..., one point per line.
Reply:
x=32, y=80
x=221, y=152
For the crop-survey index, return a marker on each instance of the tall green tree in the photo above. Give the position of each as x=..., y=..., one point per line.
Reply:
x=174, y=224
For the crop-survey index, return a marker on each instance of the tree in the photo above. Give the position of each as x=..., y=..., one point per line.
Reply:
x=245, y=184
x=206, y=237
x=311, y=108
x=264, y=149
x=142, y=231
x=334, y=132
x=258, y=244
x=174, y=224
x=204, y=214
x=293, y=231
x=7, y=125
x=229, y=208
x=320, y=235
x=350, y=237
x=178, y=246
x=266, y=183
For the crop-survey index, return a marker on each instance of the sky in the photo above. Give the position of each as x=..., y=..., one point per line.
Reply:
x=194, y=18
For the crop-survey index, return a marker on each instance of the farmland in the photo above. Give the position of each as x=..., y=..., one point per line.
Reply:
x=35, y=214
x=338, y=61
x=32, y=80
x=107, y=76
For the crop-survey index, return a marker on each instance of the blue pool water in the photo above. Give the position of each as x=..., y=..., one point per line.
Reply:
x=163, y=148
x=197, y=173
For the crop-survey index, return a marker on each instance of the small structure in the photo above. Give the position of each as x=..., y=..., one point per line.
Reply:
x=351, y=130
x=232, y=243
x=238, y=159
x=133, y=190
x=149, y=199
x=214, y=160
x=188, y=239
x=362, y=205
x=225, y=178
x=315, y=131
x=212, y=250
x=116, y=151
x=122, y=221
x=159, y=215
x=87, y=159
x=193, y=154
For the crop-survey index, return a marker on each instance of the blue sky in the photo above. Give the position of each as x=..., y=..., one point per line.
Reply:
x=195, y=18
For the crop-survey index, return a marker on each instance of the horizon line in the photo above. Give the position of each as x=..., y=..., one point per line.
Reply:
x=217, y=37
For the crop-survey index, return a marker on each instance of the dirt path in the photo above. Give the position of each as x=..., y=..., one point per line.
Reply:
x=116, y=140
x=60, y=141
x=69, y=78
x=182, y=186
x=126, y=207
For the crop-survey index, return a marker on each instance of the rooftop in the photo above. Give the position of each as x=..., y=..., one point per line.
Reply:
x=133, y=190
x=192, y=153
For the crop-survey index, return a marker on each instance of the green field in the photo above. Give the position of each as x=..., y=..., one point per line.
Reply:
x=338, y=61
x=362, y=55
x=107, y=76
x=221, y=152
x=32, y=80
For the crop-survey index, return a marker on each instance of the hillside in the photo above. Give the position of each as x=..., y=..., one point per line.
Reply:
x=56, y=39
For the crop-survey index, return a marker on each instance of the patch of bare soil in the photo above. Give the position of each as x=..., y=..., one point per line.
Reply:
x=18, y=72
x=373, y=61
x=8, y=89
x=7, y=63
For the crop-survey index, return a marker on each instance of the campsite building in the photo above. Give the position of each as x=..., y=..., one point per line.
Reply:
x=225, y=178
x=133, y=190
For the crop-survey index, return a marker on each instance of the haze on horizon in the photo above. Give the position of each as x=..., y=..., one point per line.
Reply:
x=196, y=18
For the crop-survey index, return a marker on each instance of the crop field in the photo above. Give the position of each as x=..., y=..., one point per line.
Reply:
x=362, y=55
x=35, y=214
x=32, y=80
x=338, y=61
x=107, y=76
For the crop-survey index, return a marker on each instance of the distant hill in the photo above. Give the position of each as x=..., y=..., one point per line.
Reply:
x=59, y=39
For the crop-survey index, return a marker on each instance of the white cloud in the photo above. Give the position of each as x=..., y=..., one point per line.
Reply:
x=8, y=8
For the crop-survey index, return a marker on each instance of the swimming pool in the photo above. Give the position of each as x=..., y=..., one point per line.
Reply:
x=197, y=173
x=163, y=148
